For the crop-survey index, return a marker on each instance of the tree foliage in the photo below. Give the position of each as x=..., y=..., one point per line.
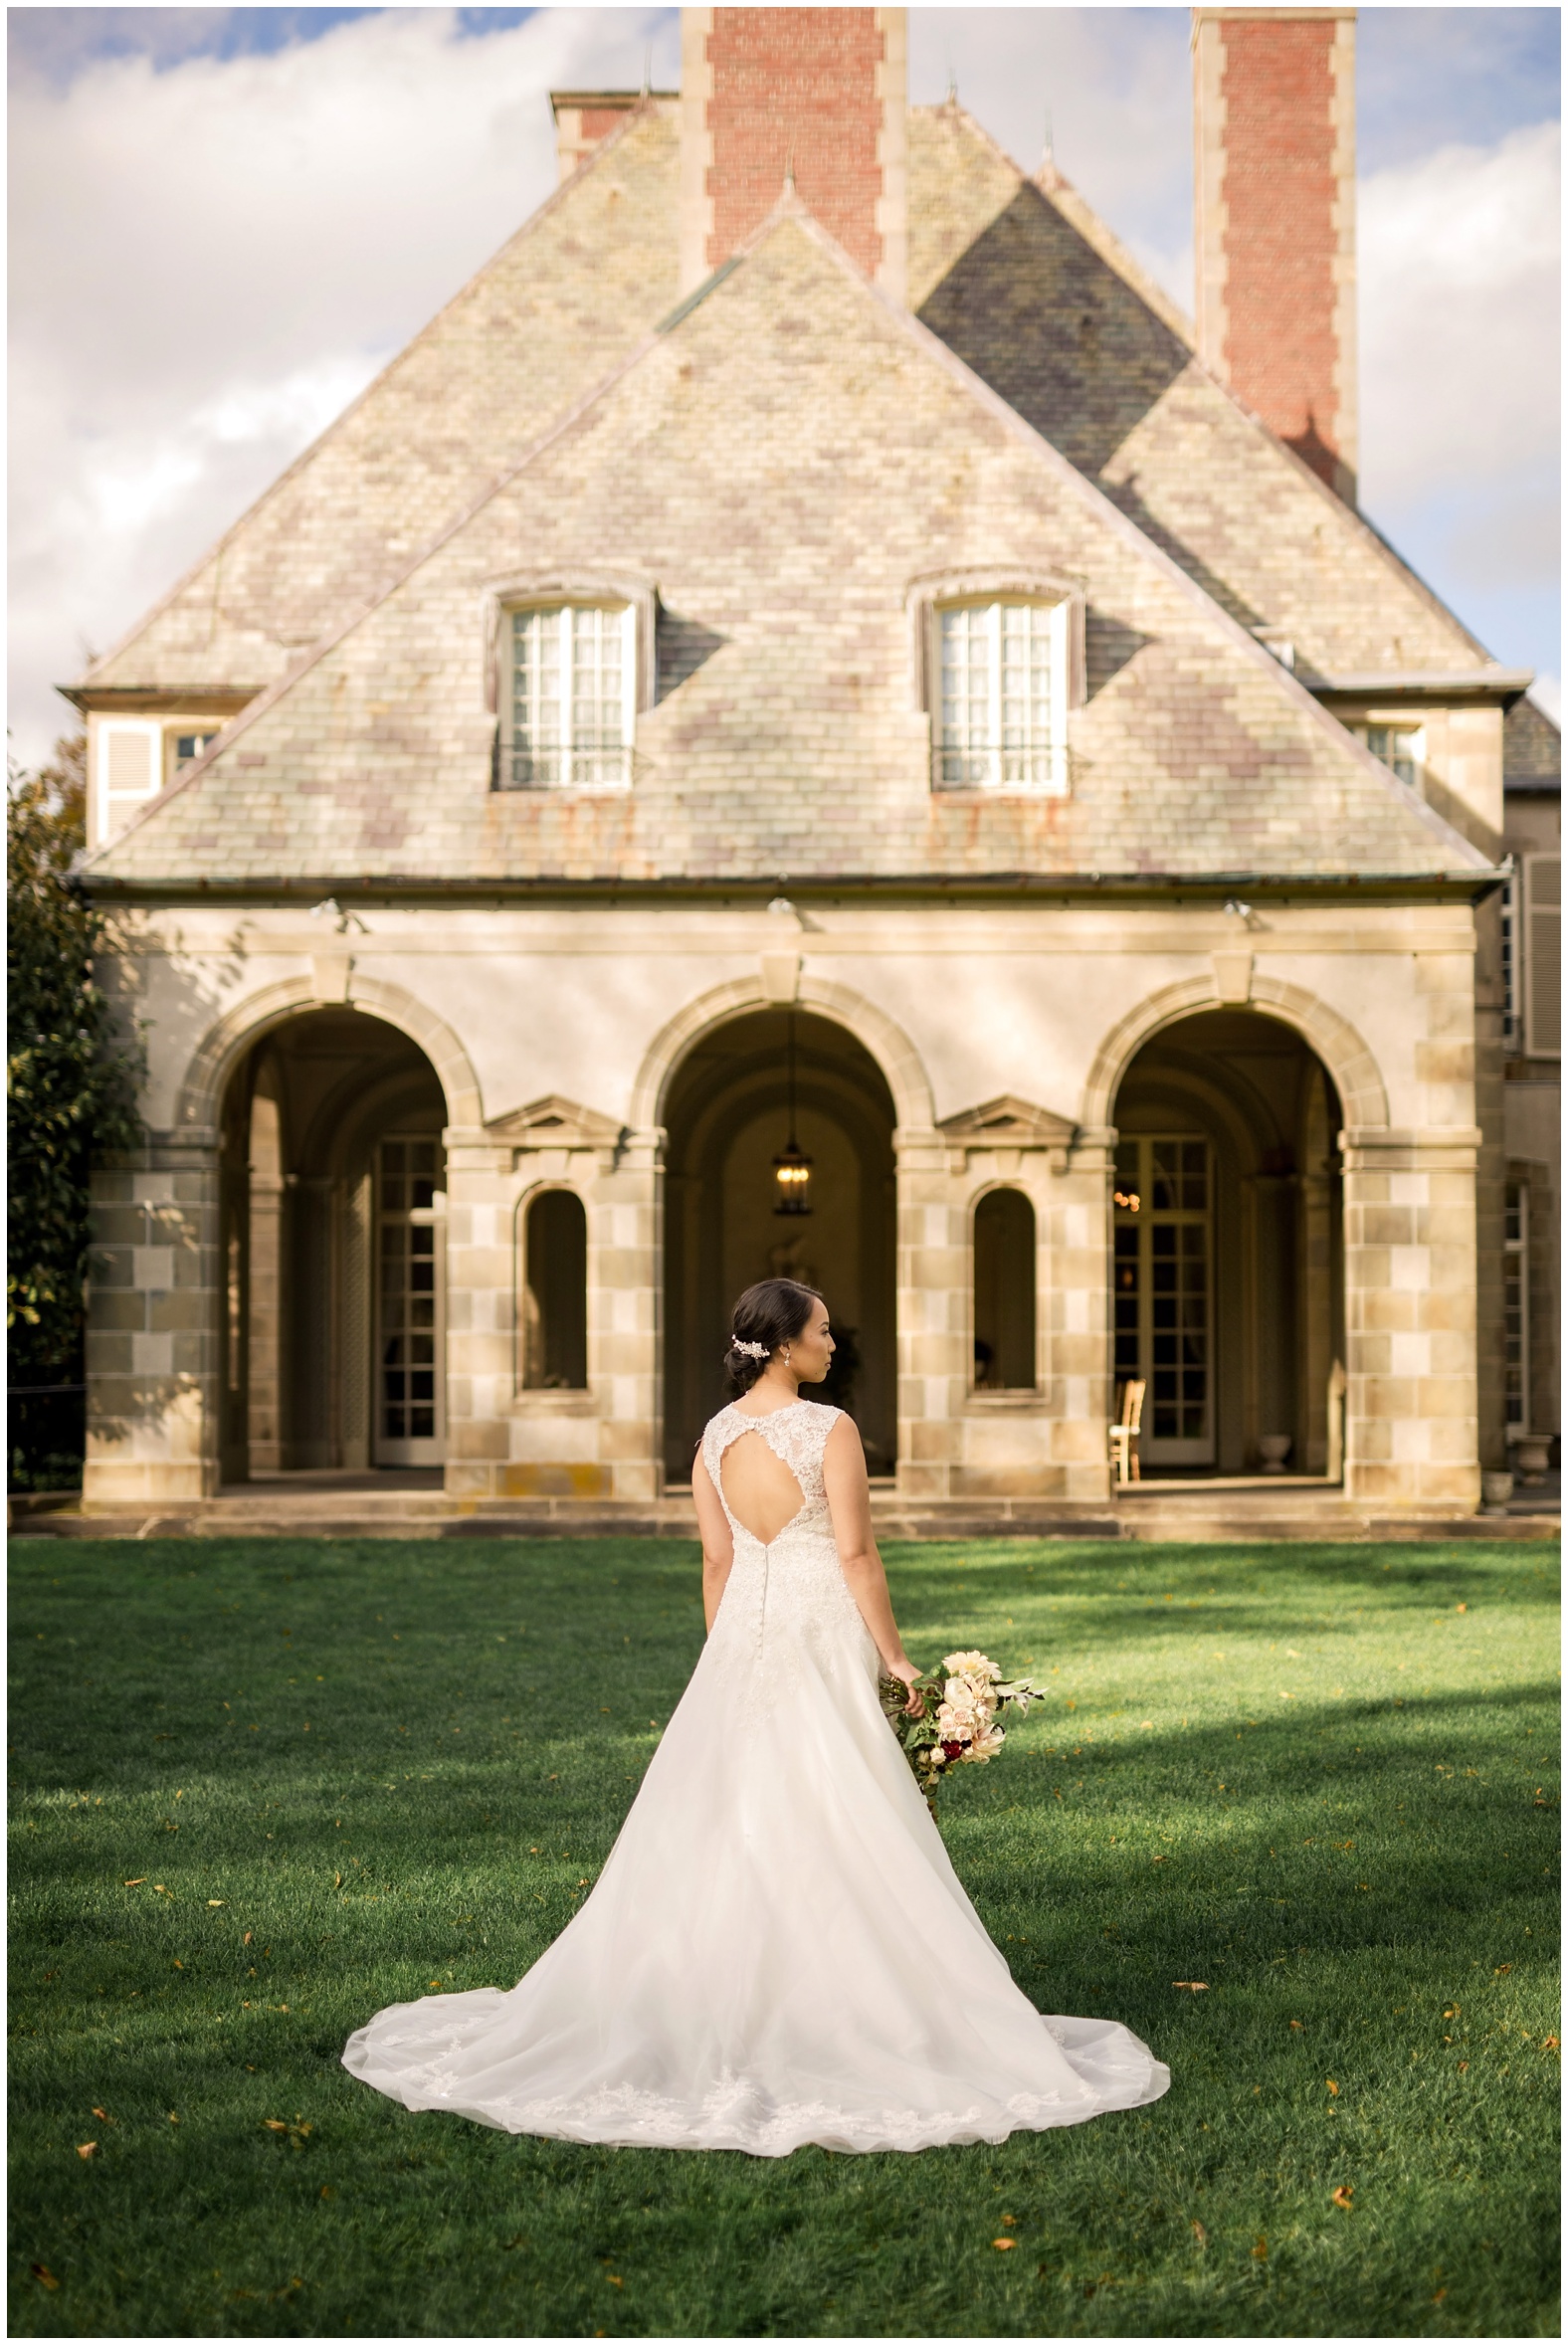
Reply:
x=72, y=1079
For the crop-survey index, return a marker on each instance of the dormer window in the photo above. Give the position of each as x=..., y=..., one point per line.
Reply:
x=999, y=691
x=570, y=712
x=1400, y=747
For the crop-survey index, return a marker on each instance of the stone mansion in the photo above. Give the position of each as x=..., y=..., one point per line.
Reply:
x=811, y=722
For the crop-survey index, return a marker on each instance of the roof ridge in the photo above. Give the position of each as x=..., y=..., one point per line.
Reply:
x=644, y=107
x=791, y=209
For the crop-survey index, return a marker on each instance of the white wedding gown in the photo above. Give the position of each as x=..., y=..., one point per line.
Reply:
x=778, y=1950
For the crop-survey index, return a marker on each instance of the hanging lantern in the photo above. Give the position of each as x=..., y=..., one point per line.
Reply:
x=792, y=1172
x=792, y=1166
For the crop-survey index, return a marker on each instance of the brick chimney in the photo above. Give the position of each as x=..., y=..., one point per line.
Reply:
x=818, y=94
x=1276, y=251
x=584, y=117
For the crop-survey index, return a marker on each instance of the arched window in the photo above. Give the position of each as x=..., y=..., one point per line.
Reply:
x=1005, y=1293
x=555, y=1293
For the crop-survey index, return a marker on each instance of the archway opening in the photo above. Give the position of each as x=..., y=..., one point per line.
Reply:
x=727, y=1117
x=331, y=1226
x=1228, y=1275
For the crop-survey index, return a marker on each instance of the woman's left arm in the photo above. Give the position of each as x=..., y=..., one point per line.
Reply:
x=718, y=1544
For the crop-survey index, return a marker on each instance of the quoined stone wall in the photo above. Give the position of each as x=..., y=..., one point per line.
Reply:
x=556, y=1032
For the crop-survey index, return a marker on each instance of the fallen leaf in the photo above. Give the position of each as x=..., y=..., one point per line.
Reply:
x=1550, y=2044
x=217, y=1901
x=44, y=2276
x=246, y=1940
x=1343, y=2194
x=1463, y=2064
x=327, y=2190
x=275, y=2124
x=1295, y=2022
x=1437, y=2298
x=1261, y=2250
x=1332, y=2086
x=103, y=2113
x=1197, y=1986
x=1004, y=2242
x=85, y=2149
x=174, y=2116
x=1501, y=1970
x=1199, y=2233
x=614, y=2282
x=138, y=1884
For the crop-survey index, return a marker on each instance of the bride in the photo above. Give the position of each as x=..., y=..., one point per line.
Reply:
x=778, y=1950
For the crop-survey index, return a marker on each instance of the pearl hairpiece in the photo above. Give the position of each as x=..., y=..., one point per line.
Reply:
x=753, y=1352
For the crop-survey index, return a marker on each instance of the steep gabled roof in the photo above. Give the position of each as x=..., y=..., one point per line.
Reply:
x=1034, y=294
x=540, y=323
x=784, y=464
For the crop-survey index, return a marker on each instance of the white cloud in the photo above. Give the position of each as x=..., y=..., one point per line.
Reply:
x=1458, y=263
x=210, y=258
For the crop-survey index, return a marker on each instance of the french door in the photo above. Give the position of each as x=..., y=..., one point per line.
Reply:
x=410, y=1411
x=1163, y=1228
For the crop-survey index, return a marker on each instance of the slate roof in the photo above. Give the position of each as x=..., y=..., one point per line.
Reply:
x=539, y=325
x=1021, y=282
x=1533, y=750
x=781, y=465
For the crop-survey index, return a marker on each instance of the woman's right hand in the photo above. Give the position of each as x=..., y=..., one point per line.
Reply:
x=906, y=1671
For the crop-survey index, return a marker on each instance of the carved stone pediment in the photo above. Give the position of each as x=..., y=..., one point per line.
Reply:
x=555, y=1122
x=1009, y=1123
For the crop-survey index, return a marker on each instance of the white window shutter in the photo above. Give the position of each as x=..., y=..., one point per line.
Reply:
x=1543, y=956
x=130, y=769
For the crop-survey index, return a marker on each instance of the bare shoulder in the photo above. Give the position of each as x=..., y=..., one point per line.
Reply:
x=842, y=1444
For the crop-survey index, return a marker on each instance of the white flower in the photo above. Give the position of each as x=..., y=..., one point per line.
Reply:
x=972, y=1664
x=985, y=1746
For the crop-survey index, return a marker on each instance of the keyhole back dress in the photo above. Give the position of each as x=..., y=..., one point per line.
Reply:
x=777, y=1950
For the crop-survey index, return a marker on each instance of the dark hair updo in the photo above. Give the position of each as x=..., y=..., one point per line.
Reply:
x=767, y=1315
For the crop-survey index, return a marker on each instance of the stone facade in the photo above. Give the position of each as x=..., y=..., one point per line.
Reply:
x=780, y=479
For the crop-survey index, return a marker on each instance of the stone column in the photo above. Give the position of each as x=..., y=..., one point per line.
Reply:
x=1078, y=1372
x=626, y=1311
x=932, y=1316
x=1411, y=1418
x=480, y=1304
x=152, y=1326
x=505, y=1441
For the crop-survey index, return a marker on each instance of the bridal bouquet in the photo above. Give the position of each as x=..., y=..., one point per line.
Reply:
x=958, y=1725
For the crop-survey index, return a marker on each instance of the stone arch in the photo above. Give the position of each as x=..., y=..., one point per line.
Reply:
x=216, y=1057
x=879, y=1035
x=1356, y=1076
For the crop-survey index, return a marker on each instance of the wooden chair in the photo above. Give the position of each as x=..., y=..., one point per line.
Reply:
x=1124, y=1433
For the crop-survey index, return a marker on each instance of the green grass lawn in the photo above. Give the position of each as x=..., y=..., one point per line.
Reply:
x=1319, y=1778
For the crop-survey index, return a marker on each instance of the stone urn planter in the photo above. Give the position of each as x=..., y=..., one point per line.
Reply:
x=1496, y=1492
x=1273, y=1449
x=1531, y=1455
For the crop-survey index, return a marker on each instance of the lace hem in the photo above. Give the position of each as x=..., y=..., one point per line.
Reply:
x=729, y=2118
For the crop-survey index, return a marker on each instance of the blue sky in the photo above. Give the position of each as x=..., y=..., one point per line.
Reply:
x=354, y=165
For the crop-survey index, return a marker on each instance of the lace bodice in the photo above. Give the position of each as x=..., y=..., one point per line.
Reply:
x=797, y=1436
